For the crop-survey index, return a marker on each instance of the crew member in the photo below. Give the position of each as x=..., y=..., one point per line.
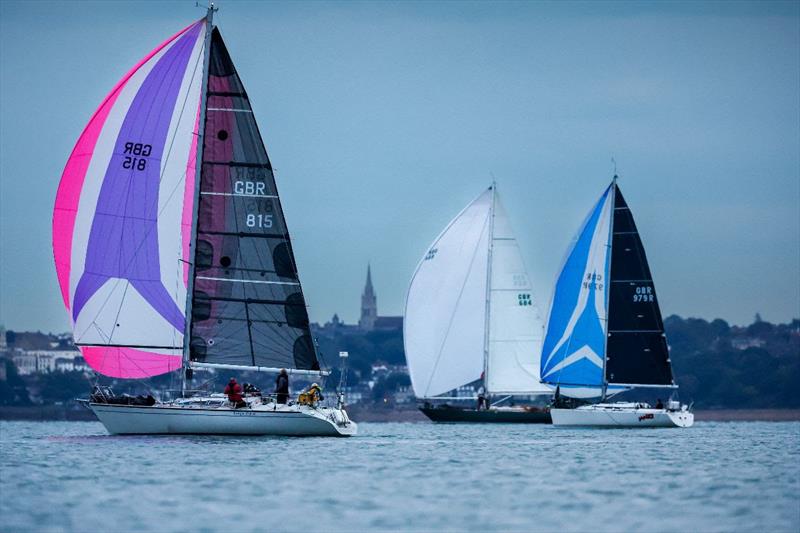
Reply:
x=482, y=403
x=234, y=392
x=282, y=386
x=659, y=404
x=311, y=396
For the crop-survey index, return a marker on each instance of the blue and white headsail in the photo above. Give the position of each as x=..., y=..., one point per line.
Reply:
x=574, y=346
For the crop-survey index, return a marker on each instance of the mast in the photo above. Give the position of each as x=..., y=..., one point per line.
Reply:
x=185, y=368
x=608, y=281
x=487, y=322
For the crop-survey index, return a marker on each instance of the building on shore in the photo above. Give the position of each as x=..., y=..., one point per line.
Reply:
x=45, y=361
x=369, y=320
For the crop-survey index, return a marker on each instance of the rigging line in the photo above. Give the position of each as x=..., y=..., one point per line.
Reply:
x=166, y=203
x=458, y=300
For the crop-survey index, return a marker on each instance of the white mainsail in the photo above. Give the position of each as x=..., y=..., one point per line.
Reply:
x=515, y=323
x=472, y=283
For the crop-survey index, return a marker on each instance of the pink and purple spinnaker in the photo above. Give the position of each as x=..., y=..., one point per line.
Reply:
x=123, y=212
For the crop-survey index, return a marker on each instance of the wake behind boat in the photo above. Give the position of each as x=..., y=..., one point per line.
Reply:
x=172, y=250
x=470, y=317
x=605, y=334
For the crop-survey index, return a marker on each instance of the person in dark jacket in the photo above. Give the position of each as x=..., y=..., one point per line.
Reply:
x=282, y=386
x=234, y=392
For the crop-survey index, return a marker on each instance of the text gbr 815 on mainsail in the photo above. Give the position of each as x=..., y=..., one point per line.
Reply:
x=605, y=334
x=470, y=315
x=172, y=251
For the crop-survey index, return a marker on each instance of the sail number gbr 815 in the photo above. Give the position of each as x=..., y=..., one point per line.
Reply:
x=135, y=155
x=259, y=209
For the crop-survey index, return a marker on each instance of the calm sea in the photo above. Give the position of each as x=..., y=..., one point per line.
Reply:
x=71, y=476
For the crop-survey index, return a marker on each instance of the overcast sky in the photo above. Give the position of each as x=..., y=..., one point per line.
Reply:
x=383, y=120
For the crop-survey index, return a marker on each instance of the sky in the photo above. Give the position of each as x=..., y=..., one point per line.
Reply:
x=383, y=120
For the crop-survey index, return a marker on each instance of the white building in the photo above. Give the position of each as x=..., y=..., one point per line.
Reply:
x=44, y=361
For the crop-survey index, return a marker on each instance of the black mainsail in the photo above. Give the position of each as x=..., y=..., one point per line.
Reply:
x=636, y=350
x=248, y=307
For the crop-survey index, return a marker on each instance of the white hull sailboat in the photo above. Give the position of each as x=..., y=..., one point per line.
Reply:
x=471, y=318
x=605, y=334
x=622, y=414
x=202, y=417
x=172, y=250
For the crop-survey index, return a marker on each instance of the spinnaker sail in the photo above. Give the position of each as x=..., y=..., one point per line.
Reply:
x=470, y=311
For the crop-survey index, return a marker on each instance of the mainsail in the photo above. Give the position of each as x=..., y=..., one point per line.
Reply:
x=248, y=307
x=604, y=333
x=126, y=220
x=470, y=310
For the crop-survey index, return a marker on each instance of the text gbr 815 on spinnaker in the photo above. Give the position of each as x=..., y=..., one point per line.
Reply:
x=605, y=334
x=172, y=251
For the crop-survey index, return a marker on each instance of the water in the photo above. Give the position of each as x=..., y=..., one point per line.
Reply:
x=71, y=476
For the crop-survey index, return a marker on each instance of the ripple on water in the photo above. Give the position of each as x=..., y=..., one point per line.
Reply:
x=63, y=476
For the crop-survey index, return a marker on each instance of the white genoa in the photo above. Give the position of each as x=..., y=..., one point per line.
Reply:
x=626, y=415
x=267, y=419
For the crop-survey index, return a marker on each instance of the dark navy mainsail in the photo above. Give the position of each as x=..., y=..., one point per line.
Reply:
x=248, y=306
x=636, y=351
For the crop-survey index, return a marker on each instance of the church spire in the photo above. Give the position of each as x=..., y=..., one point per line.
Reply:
x=368, y=287
x=369, y=304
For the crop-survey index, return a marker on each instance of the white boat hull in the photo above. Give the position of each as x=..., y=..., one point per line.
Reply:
x=621, y=415
x=175, y=419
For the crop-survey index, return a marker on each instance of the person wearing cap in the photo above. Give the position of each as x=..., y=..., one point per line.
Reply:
x=234, y=392
x=282, y=386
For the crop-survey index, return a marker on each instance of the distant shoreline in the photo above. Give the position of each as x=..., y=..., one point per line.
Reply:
x=365, y=414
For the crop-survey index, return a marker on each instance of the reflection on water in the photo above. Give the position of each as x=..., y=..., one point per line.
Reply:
x=713, y=477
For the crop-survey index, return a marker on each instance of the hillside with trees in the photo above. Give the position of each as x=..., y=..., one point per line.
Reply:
x=716, y=365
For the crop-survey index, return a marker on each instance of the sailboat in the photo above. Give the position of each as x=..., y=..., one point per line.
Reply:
x=471, y=318
x=172, y=250
x=605, y=334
